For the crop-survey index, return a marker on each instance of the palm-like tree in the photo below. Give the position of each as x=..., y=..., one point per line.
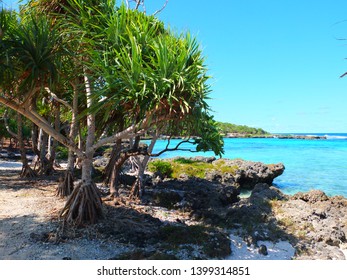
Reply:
x=27, y=53
x=126, y=69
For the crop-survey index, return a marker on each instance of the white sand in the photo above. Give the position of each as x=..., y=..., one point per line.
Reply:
x=281, y=250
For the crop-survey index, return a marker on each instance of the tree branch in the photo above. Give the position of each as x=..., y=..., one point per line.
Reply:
x=138, y=2
x=127, y=133
x=162, y=8
x=14, y=135
x=56, y=98
x=41, y=123
x=26, y=102
x=177, y=148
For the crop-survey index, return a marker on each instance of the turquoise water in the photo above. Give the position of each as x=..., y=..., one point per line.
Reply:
x=310, y=164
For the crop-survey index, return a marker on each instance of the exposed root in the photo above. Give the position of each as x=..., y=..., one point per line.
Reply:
x=83, y=206
x=65, y=186
x=27, y=172
x=137, y=190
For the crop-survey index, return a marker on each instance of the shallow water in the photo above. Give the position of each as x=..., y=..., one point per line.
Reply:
x=310, y=164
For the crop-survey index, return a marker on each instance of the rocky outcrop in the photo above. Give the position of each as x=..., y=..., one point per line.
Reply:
x=247, y=174
x=315, y=224
x=321, y=221
x=312, y=222
x=201, y=198
x=237, y=172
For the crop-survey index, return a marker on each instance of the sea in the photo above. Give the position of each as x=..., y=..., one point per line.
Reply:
x=309, y=164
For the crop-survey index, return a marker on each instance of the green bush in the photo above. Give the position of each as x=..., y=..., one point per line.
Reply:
x=162, y=167
x=184, y=160
x=62, y=152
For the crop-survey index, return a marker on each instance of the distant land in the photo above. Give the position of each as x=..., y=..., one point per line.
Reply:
x=229, y=130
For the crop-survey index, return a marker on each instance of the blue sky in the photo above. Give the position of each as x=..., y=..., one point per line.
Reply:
x=275, y=63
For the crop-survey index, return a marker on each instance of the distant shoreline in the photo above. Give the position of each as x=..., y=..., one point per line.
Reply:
x=264, y=136
x=276, y=136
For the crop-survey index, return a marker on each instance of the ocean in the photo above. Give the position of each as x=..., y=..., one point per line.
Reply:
x=309, y=164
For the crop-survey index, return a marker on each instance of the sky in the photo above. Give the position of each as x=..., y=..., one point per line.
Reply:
x=275, y=64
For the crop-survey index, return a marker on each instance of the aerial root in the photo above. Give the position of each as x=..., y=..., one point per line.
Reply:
x=27, y=172
x=83, y=206
x=65, y=186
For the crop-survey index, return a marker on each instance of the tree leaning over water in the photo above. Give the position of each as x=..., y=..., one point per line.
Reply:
x=130, y=74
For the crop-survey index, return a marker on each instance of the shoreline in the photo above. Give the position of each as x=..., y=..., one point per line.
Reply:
x=302, y=226
x=277, y=136
x=12, y=164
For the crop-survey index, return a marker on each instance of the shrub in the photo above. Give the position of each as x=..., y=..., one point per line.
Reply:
x=162, y=167
x=184, y=160
x=62, y=152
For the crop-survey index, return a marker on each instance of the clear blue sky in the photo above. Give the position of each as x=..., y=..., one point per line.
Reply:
x=275, y=63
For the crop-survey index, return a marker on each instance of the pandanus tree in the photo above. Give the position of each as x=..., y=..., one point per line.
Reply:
x=129, y=74
x=26, y=65
x=151, y=75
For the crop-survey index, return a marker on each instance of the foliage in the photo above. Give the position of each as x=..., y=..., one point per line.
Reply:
x=130, y=75
x=210, y=138
x=12, y=123
x=62, y=152
x=192, y=168
x=30, y=49
x=226, y=128
x=162, y=167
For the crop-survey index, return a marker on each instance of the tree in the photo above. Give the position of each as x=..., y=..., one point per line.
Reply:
x=126, y=68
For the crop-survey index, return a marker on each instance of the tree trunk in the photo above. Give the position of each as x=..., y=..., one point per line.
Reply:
x=26, y=172
x=85, y=205
x=111, y=170
x=53, y=143
x=138, y=187
x=44, y=165
x=66, y=183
